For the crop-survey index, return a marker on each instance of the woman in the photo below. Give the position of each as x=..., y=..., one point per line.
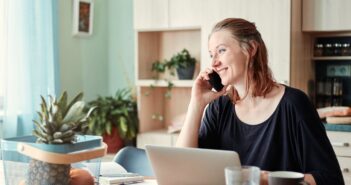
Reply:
x=272, y=126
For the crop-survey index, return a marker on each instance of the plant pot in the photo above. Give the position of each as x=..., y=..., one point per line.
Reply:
x=34, y=163
x=186, y=73
x=114, y=141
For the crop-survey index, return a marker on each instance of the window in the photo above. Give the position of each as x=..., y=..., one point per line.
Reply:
x=2, y=54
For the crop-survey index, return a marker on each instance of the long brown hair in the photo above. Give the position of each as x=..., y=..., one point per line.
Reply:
x=259, y=74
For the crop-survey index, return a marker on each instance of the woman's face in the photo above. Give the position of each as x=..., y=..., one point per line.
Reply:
x=229, y=60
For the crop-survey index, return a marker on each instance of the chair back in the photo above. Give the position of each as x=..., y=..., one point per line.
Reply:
x=134, y=160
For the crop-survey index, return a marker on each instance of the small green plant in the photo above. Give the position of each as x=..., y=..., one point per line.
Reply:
x=115, y=111
x=159, y=67
x=182, y=62
x=182, y=59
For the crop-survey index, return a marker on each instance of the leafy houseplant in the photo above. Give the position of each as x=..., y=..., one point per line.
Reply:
x=59, y=123
x=113, y=113
x=184, y=63
x=159, y=67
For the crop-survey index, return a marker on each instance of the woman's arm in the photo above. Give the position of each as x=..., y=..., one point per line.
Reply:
x=201, y=95
x=189, y=134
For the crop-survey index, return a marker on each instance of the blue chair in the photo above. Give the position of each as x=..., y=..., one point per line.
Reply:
x=134, y=160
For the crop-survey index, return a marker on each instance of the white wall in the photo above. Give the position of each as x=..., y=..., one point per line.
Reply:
x=104, y=62
x=120, y=45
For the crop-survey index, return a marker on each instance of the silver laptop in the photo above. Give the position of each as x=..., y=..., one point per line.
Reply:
x=190, y=166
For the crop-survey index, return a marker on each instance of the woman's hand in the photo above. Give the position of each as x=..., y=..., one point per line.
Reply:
x=264, y=177
x=201, y=92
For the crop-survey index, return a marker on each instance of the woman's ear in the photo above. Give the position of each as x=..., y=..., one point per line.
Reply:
x=253, y=48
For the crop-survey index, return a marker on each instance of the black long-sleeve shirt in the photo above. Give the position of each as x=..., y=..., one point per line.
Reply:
x=293, y=138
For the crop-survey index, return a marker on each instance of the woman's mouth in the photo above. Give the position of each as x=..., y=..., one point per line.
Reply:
x=220, y=70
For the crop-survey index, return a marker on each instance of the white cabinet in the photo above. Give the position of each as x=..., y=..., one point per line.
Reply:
x=341, y=142
x=160, y=14
x=159, y=137
x=150, y=14
x=185, y=13
x=156, y=42
x=326, y=15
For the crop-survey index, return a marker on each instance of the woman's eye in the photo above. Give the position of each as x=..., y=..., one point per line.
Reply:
x=211, y=56
x=221, y=50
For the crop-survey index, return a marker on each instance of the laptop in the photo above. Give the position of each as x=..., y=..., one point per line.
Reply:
x=175, y=166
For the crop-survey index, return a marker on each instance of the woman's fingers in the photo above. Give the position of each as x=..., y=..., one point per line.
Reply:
x=209, y=70
x=264, y=177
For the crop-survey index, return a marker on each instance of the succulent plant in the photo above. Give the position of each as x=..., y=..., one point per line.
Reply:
x=60, y=121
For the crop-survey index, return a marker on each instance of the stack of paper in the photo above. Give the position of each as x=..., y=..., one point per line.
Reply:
x=112, y=173
x=121, y=179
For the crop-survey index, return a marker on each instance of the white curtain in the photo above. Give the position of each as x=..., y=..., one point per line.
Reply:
x=28, y=61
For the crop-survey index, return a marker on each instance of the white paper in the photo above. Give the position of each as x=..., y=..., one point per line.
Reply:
x=111, y=169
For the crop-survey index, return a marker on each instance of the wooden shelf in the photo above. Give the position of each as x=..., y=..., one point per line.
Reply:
x=164, y=83
x=332, y=58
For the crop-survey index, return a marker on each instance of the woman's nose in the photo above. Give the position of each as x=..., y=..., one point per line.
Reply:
x=215, y=61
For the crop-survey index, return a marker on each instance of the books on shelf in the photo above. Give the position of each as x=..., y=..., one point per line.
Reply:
x=334, y=111
x=111, y=173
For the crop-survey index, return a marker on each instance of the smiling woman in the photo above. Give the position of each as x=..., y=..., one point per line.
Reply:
x=270, y=125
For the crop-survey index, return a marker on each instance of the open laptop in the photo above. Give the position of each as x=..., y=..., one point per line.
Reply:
x=175, y=166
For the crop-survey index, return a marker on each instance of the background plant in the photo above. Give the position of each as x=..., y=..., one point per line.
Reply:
x=182, y=59
x=115, y=111
x=159, y=66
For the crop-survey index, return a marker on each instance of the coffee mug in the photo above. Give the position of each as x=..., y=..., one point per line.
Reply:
x=286, y=178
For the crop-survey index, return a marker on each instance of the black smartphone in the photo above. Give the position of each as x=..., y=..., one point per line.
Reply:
x=215, y=81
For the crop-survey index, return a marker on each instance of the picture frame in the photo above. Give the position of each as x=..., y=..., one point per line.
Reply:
x=83, y=13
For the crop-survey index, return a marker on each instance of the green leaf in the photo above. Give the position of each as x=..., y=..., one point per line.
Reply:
x=123, y=124
x=75, y=113
x=62, y=103
x=77, y=98
x=108, y=128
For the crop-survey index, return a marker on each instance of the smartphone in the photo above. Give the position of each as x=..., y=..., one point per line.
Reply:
x=215, y=81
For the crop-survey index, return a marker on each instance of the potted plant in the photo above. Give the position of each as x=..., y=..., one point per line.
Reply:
x=58, y=125
x=184, y=63
x=115, y=118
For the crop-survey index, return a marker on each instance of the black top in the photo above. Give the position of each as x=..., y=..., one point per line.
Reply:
x=293, y=138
